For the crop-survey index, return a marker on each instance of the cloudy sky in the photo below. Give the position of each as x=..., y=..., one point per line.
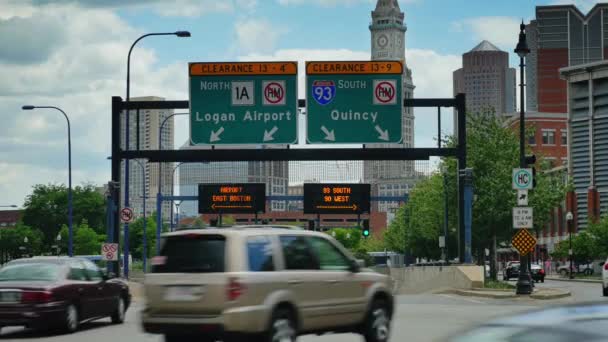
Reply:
x=72, y=54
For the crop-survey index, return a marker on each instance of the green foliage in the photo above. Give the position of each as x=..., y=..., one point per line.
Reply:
x=586, y=245
x=350, y=238
x=136, y=234
x=499, y=285
x=228, y=221
x=46, y=208
x=11, y=239
x=198, y=223
x=86, y=240
x=492, y=152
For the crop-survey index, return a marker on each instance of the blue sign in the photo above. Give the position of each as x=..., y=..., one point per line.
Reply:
x=323, y=92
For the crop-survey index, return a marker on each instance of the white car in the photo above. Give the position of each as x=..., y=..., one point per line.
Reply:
x=605, y=279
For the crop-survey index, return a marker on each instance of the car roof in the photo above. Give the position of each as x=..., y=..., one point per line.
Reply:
x=58, y=260
x=248, y=230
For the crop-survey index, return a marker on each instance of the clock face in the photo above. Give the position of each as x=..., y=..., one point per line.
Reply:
x=382, y=40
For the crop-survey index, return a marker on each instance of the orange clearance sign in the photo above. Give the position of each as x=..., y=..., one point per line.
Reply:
x=243, y=68
x=354, y=68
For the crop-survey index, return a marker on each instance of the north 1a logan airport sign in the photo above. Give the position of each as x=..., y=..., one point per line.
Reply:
x=235, y=198
x=354, y=102
x=243, y=103
x=336, y=198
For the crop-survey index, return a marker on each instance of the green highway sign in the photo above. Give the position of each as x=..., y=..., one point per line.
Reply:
x=354, y=102
x=243, y=103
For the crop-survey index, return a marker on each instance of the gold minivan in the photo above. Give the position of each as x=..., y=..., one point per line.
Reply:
x=262, y=283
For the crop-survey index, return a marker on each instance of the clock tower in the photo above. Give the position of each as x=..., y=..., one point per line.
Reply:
x=391, y=178
x=388, y=43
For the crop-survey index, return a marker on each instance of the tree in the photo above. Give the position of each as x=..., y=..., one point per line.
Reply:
x=13, y=245
x=86, y=240
x=46, y=208
x=492, y=152
x=136, y=233
x=198, y=223
x=584, y=248
x=348, y=237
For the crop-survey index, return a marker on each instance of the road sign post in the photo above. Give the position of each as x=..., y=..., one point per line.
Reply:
x=243, y=103
x=522, y=198
x=126, y=215
x=522, y=179
x=523, y=217
x=354, y=102
x=109, y=251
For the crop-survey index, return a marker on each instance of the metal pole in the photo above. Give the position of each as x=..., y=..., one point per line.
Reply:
x=158, y=221
x=445, y=215
x=570, y=251
x=524, y=285
x=116, y=169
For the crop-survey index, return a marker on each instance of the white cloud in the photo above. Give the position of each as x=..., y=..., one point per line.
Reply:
x=501, y=31
x=80, y=75
x=175, y=8
x=257, y=36
x=334, y=3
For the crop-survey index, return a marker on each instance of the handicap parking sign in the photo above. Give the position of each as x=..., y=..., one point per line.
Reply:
x=323, y=92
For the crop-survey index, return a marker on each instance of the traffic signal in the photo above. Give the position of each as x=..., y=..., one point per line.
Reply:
x=531, y=163
x=366, y=232
x=311, y=225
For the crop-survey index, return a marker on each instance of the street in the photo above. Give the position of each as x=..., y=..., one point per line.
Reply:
x=424, y=317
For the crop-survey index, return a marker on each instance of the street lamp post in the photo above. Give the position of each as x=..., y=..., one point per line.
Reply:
x=172, y=193
x=570, y=219
x=70, y=230
x=145, y=233
x=524, y=285
x=126, y=226
x=160, y=171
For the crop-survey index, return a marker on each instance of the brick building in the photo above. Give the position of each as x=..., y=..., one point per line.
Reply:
x=9, y=218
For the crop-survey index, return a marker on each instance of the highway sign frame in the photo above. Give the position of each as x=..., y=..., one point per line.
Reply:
x=358, y=202
x=518, y=173
x=523, y=217
x=215, y=118
x=209, y=192
x=354, y=112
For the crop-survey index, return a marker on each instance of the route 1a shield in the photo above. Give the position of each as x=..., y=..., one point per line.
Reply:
x=323, y=92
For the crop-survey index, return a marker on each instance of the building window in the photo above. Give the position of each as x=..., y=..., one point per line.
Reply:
x=548, y=137
x=532, y=140
x=564, y=134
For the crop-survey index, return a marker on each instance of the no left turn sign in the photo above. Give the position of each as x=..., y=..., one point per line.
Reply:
x=126, y=215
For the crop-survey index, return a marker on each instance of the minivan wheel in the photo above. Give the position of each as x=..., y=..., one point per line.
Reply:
x=282, y=327
x=118, y=316
x=377, y=326
x=71, y=319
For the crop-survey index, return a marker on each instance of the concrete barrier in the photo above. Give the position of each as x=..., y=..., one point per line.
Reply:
x=411, y=280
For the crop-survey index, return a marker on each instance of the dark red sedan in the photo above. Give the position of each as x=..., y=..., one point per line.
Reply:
x=59, y=292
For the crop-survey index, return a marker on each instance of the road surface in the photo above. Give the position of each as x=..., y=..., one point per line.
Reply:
x=425, y=317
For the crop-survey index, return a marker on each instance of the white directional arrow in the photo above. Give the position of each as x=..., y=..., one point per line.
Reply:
x=215, y=136
x=268, y=136
x=329, y=135
x=383, y=133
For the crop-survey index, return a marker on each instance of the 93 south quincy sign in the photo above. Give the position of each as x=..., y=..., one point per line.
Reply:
x=243, y=103
x=354, y=102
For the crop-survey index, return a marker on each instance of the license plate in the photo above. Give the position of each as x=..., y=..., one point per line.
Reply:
x=183, y=293
x=10, y=297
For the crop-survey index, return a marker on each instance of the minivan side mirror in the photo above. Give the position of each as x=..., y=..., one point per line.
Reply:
x=354, y=266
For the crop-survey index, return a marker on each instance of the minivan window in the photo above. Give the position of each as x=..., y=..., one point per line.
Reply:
x=297, y=254
x=193, y=253
x=330, y=258
x=259, y=253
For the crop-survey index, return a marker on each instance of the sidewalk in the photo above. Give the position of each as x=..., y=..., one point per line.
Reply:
x=557, y=278
x=542, y=294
